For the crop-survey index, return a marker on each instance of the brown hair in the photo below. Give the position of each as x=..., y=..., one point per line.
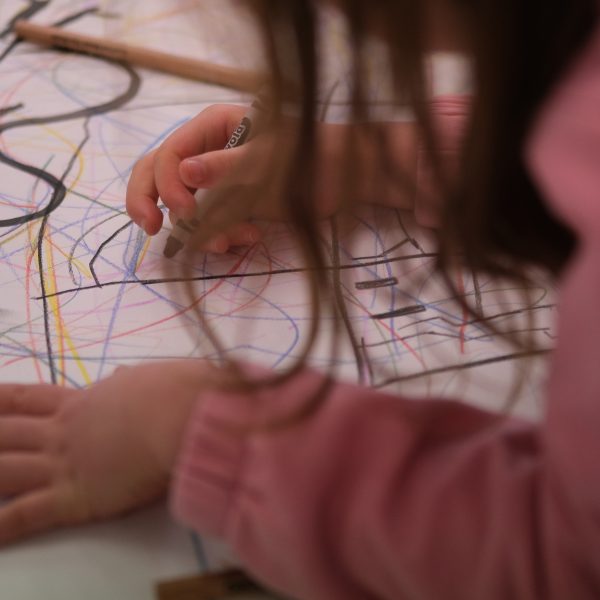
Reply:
x=494, y=219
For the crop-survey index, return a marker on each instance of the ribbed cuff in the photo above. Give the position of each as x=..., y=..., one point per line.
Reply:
x=208, y=472
x=210, y=475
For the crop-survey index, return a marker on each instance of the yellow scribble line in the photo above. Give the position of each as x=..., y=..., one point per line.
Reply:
x=143, y=254
x=49, y=277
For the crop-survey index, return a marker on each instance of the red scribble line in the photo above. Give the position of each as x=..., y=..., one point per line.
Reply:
x=7, y=99
x=15, y=205
x=396, y=335
x=249, y=255
x=217, y=284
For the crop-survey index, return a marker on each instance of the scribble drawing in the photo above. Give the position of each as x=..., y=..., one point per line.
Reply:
x=82, y=290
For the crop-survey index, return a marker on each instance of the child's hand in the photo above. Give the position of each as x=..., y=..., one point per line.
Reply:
x=192, y=157
x=73, y=456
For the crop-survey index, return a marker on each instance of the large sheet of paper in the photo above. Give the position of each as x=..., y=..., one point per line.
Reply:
x=82, y=290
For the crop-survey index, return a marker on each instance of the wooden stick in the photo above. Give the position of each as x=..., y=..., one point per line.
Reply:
x=142, y=57
x=211, y=586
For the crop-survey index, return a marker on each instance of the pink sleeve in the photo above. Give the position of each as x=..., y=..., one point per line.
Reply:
x=564, y=157
x=373, y=496
x=379, y=496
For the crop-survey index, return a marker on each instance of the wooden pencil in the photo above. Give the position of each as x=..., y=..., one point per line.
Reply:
x=188, y=68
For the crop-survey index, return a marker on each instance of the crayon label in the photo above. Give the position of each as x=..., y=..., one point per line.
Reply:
x=240, y=135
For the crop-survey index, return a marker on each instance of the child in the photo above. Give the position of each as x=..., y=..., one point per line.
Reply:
x=365, y=495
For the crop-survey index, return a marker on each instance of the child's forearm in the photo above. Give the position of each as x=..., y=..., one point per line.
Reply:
x=397, y=174
x=352, y=165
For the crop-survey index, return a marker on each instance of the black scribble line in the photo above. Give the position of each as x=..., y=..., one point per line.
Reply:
x=444, y=319
x=395, y=247
x=365, y=354
x=57, y=185
x=40, y=253
x=456, y=336
x=460, y=323
x=76, y=16
x=9, y=109
x=82, y=237
x=376, y=283
x=400, y=312
x=478, y=302
x=9, y=49
x=408, y=240
x=489, y=336
x=29, y=11
x=508, y=313
x=463, y=366
x=57, y=196
x=101, y=247
x=385, y=253
x=84, y=141
x=543, y=292
x=227, y=276
x=45, y=310
x=412, y=240
x=339, y=299
x=59, y=190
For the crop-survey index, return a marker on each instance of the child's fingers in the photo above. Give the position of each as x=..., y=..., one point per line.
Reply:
x=24, y=433
x=240, y=234
x=173, y=192
x=244, y=234
x=219, y=244
x=210, y=130
x=157, y=174
x=34, y=400
x=27, y=515
x=206, y=132
x=142, y=196
x=24, y=471
x=208, y=169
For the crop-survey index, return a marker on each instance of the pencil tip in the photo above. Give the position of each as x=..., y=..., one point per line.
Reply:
x=172, y=247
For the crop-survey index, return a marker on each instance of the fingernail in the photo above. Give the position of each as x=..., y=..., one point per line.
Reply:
x=142, y=224
x=219, y=244
x=196, y=169
x=252, y=237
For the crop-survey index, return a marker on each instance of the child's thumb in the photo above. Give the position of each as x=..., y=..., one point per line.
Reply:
x=207, y=169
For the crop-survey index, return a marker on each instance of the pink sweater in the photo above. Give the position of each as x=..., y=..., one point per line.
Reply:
x=377, y=496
